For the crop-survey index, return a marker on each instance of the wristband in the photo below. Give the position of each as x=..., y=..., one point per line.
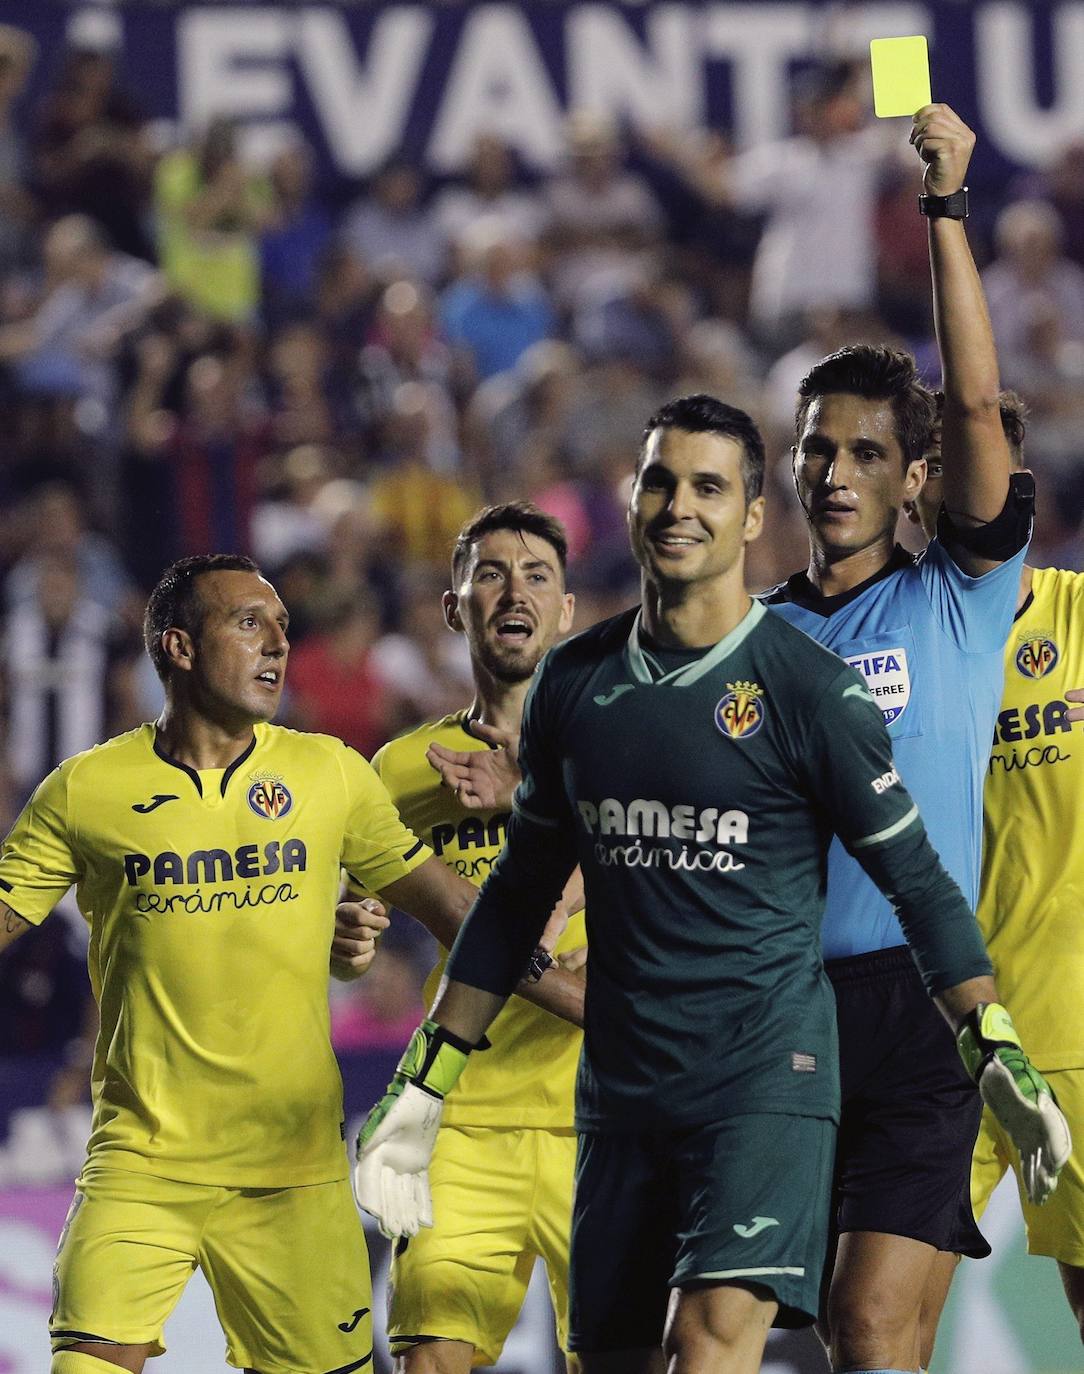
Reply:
x=944, y=207
x=433, y=1060
x=986, y=1029
x=539, y=963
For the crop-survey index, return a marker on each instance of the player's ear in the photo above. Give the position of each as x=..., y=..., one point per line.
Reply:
x=568, y=609
x=180, y=648
x=754, y=519
x=914, y=479
x=450, y=604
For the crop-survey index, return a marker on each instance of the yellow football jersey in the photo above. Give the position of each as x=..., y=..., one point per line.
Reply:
x=211, y=901
x=528, y=1077
x=1032, y=897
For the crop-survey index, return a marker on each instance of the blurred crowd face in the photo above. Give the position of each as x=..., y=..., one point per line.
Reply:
x=850, y=474
x=511, y=603
x=73, y=252
x=688, y=518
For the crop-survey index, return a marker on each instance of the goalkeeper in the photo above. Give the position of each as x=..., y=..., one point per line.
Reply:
x=694, y=756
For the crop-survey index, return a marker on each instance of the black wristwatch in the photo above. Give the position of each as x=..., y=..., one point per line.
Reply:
x=945, y=207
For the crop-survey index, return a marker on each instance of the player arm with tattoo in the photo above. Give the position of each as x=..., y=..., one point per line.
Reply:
x=12, y=925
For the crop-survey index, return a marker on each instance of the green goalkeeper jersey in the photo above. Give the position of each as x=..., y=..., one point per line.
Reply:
x=702, y=789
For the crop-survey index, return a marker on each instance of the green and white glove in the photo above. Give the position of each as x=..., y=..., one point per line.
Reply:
x=1017, y=1094
x=391, y=1179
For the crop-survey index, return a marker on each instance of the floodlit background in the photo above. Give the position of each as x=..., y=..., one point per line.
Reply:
x=314, y=282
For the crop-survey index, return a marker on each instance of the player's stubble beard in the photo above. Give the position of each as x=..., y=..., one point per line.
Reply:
x=508, y=667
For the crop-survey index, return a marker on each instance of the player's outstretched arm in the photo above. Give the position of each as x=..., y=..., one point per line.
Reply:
x=975, y=454
x=12, y=926
x=441, y=900
x=482, y=779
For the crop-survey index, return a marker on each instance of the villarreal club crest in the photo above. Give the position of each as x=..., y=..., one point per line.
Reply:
x=740, y=713
x=269, y=796
x=1036, y=657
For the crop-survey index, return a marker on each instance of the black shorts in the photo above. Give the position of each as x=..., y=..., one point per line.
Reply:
x=910, y=1112
x=741, y=1201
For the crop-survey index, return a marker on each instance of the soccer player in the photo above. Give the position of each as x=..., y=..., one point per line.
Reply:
x=1033, y=849
x=694, y=756
x=927, y=634
x=502, y=1170
x=206, y=849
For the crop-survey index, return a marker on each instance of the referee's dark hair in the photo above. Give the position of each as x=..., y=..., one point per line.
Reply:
x=175, y=602
x=1015, y=413
x=703, y=414
x=521, y=517
x=877, y=373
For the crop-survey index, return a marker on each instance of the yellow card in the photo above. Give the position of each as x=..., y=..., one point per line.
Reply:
x=901, y=75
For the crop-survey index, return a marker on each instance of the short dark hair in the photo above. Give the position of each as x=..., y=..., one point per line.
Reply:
x=703, y=414
x=176, y=603
x=1015, y=413
x=521, y=517
x=877, y=373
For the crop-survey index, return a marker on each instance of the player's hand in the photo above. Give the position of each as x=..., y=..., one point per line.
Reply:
x=1077, y=712
x=944, y=144
x=358, y=926
x=574, y=960
x=482, y=779
x=391, y=1178
x=1018, y=1095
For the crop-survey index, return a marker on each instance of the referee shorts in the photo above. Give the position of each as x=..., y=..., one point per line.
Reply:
x=288, y=1268
x=910, y=1112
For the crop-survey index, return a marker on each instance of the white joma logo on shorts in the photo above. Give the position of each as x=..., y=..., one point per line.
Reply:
x=755, y=1227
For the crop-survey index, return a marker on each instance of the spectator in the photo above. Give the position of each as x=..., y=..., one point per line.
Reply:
x=602, y=219
x=66, y=673
x=376, y=1012
x=18, y=53
x=211, y=212
x=296, y=237
x=288, y=523
x=334, y=688
x=391, y=231
x=1031, y=282
x=92, y=156
x=501, y=309
x=490, y=193
x=426, y=666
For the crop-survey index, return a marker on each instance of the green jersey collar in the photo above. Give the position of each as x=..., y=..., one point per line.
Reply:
x=639, y=660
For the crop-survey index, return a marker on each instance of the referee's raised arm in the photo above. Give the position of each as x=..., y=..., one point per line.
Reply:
x=975, y=454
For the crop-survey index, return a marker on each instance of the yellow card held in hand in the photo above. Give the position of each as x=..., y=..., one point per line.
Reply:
x=901, y=75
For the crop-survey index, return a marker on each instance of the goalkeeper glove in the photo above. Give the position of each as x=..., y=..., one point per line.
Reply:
x=1017, y=1094
x=396, y=1142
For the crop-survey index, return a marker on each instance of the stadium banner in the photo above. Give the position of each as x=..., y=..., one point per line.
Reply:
x=365, y=80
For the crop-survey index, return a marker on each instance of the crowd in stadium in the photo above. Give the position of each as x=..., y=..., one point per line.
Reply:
x=205, y=349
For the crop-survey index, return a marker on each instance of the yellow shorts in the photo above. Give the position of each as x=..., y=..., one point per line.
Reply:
x=1057, y=1227
x=288, y=1268
x=501, y=1199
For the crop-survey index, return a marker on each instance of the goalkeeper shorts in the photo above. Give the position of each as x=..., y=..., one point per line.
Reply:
x=288, y=1268
x=741, y=1201
x=501, y=1199
x=1056, y=1228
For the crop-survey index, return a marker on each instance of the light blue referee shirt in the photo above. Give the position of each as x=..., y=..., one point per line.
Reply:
x=929, y=641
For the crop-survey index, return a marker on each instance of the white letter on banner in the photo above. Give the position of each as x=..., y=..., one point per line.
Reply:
x=212, y=45
x=363, y=107
x=611, y=71
x=760, y=39
x=499, y=85
x=1006, y=88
